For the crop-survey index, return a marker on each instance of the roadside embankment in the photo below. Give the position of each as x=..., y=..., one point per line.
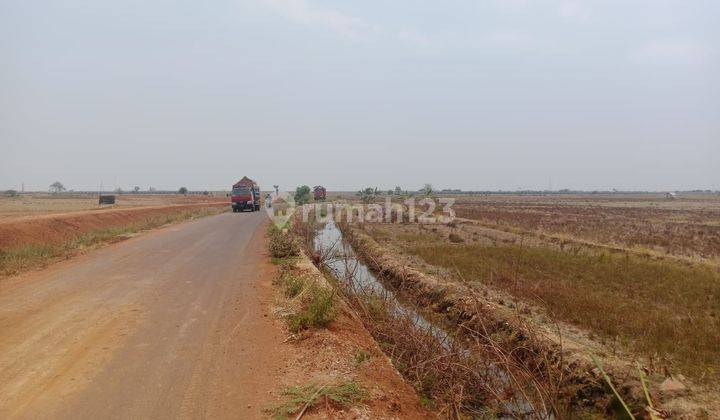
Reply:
x=31, y=242
x=57, y=228
x=336, y=369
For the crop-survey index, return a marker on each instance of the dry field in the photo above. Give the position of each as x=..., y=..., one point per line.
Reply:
x=687, y=227
x=638, y=274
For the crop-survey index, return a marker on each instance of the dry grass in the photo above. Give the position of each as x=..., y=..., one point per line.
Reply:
x=298, y=399
x=483, y=374
x=687, y=231
x=664, y=310
x=484, y=371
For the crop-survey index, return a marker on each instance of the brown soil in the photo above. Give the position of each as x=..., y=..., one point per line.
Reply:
x=321, y=356
x=57, y=228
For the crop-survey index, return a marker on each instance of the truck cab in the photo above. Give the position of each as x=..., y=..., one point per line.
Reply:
x=245, y=195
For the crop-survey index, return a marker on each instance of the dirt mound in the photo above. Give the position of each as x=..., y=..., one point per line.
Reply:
x=57, y=228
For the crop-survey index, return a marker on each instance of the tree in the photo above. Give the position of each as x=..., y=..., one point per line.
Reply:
x=367, y=195
x=183, y=190
x=302, y=195
x=10, y=193
x=136, y=189
x=398, y=191
x=57, y=187
x=389, y=192
x=277, y=189
x=427, y=189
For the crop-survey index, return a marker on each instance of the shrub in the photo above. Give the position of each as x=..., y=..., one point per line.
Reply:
x=318, y=310
x=367, y=195
x=10, y=193
x=455, y=238
x=282, y=244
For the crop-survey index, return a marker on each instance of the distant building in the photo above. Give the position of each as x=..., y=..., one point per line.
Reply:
x=319, y=193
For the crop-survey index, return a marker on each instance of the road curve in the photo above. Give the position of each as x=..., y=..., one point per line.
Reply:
x=172, y=323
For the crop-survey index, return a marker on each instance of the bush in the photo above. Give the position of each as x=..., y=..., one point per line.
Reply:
x=10, y=193
x=367, y=195
x=302, y=195
x=282, y=244
x=318, y=310
x=455, y=238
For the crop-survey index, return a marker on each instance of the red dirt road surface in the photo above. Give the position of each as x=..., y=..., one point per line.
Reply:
x=173, y=323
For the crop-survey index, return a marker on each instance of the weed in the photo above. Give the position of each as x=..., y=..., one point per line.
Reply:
x=301, y=398
x=361, y=356
x=16, y=260
x=318, y=309
x=293, y=284
x=281, y=244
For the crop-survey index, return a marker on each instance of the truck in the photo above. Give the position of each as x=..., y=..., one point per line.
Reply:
x=245, y=195
x=319, y=193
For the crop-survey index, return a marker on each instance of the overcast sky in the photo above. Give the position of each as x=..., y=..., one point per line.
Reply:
x=471, y=94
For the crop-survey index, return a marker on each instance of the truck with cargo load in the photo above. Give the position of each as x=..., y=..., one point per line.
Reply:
x=245, y=195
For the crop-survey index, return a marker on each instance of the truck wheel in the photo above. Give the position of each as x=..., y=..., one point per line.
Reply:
x=257, y=207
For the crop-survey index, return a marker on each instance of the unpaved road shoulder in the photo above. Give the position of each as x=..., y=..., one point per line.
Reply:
x=173, y=323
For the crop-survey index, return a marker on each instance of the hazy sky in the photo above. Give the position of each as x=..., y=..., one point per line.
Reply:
x=482, y=94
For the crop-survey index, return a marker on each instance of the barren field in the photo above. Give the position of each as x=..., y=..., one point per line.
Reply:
x=687, y=227
x=637, y=276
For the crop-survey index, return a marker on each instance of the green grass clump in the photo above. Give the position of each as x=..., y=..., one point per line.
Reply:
x=299, y=398
x=361, y=356
x=292, y=284
x=318, y=309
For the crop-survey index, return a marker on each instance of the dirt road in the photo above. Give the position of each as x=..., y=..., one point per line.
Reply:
x=173, y=323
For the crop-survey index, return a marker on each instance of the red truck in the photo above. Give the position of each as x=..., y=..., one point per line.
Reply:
x=245, y=195
x=319, y=193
